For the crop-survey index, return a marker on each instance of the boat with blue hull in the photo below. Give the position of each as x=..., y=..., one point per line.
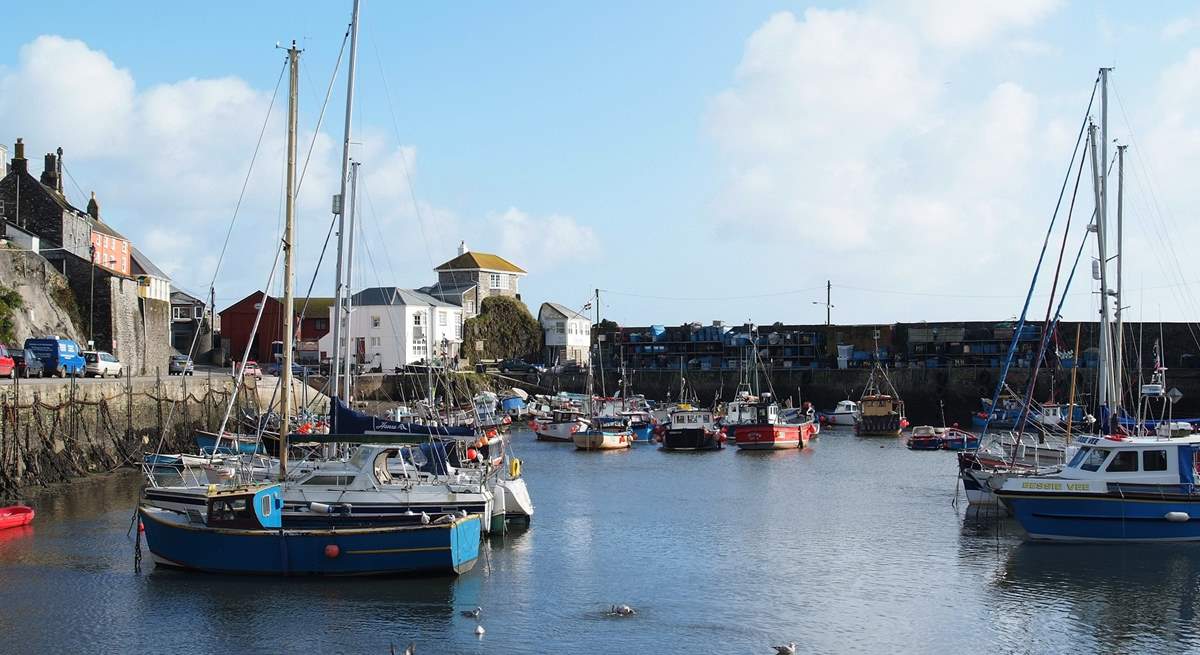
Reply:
x=241, y=532
x=1115, y=488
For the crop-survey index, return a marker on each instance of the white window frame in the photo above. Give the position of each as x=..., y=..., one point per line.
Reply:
x=442, y=318
x=497, y=281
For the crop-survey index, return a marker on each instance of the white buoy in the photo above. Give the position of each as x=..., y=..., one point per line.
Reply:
x=320, y=508
x=479, y=631
x=1177, y=517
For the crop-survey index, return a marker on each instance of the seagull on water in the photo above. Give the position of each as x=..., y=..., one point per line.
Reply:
x=787, y=649
x=412, y=648
x=479, y=631
x=472, y=614
x=622, y=610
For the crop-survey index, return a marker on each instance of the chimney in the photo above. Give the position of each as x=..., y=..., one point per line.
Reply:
x=50, y=171
x=462, y=248
x=59, y=171
x=93, y=208
x=19, y=163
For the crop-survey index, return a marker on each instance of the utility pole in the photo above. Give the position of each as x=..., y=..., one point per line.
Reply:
x=339, y=208
x=828, y=302
x=289, y=232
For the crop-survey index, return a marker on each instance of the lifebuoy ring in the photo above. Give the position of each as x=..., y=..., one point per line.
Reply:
x=514, y=468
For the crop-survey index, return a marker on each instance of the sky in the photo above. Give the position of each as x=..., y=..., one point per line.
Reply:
x=694, y=161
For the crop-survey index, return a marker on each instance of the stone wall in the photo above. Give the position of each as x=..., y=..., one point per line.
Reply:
x=52, y=433
x=42, y=290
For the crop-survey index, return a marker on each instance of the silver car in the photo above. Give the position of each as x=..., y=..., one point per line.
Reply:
x=181, y=365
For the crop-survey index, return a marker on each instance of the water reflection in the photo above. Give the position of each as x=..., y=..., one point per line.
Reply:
x=1125, y=596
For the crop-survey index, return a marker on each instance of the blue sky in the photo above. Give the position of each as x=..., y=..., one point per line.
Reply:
x=712, y=155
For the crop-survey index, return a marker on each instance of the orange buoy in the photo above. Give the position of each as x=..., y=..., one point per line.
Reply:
x=332, y=551
x=471, y=454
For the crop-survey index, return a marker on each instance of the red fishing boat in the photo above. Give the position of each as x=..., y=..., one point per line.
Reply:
x=15, y=516
x=769, y=432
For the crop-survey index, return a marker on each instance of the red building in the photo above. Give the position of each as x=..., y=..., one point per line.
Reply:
x=237, y=321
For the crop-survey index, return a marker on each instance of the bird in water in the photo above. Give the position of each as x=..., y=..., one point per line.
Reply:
x=622, y=610
x=787, y=649
x=479, y=631
x=410, y=650
x=472, y=614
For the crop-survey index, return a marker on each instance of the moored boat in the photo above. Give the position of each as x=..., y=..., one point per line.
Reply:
x=561, y=427
x=614, y=438
x=925, y=437
x=769, y=432
x=845, y=413
x=15, y=516
x=691, y=429
x=240, y=531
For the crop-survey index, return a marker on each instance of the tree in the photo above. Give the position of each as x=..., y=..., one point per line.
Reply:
x=506, y=328
x=10, y=301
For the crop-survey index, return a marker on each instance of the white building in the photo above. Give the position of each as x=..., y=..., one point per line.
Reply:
x=568, y=334
x=391, y=327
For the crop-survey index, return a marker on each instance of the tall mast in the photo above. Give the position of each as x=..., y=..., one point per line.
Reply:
x=347, y=338
x=1105, y=354
x=599, y=349
x=289, y=229
x=339, y=206
x=1119, y=340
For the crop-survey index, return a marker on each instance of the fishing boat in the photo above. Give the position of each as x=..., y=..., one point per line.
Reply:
x=846, y=412
x=691, y=429
x=240, y=530
x=956, y=439
x=561, y=427
x=15, y=516
x=881, y=410
x=925, y=437
x=606, y=438
x=769, y=431
x=1115, y=488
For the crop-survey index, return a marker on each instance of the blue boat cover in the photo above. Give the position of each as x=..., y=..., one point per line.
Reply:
x=1187, y=472
x=350, y=421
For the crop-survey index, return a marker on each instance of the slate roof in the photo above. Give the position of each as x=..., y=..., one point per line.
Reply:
x=141, y=261
x=396, y=296
x=566, y=312
x=470, y=261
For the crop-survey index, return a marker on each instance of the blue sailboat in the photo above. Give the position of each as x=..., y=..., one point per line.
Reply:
x=241, y=531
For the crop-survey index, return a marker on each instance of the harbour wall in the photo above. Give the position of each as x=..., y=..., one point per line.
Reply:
x=927, y=393
x=58, y=431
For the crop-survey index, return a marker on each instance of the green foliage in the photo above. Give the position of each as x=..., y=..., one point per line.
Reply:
x=506, y=328
x=65, y=298
x=10, y=301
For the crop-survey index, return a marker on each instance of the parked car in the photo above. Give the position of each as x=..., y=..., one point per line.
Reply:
x=570, y=368
x=519, y=366
x=28, y=365
x=275, y=368
x=252, y=370
x=60, y=357
x=181, y=365
x=101, y=364
x=8, y=368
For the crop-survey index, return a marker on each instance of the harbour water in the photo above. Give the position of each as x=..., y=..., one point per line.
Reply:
x=852, y=544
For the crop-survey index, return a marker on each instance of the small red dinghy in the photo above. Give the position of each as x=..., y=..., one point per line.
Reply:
x=15, y=516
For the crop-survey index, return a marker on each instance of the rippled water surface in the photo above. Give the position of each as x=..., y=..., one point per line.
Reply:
x=852, y=544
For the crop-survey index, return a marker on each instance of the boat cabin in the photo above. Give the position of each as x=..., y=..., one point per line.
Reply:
x=880, y=405
x=565, y=415
x=245, y=508
x=1145, y=460
x=846, y=407
x=682, y=419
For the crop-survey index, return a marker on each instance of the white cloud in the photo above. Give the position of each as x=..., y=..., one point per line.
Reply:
x=957, y=24
x=1178, y=27
x=168, y=162
x=542, y=243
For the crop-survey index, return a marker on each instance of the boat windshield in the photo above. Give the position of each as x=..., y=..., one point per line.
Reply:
x=1095, y=458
